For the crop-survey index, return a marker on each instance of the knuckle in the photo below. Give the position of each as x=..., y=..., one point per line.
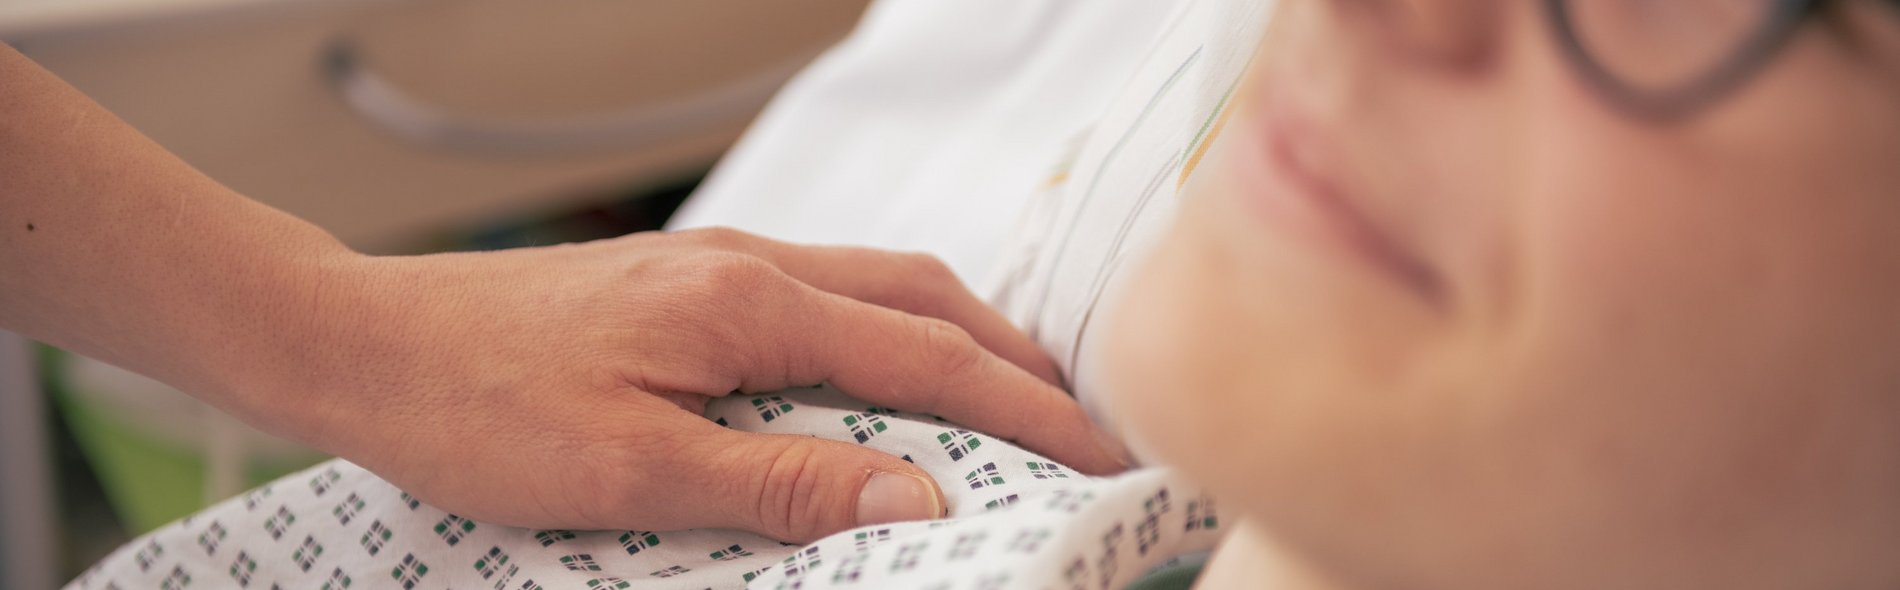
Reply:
x=598, y=492
x=734, y=306
x=599, y=496
x=720, y=237
x=929, y=268
x=949, y=348
x=726, y=276
x=620, y=488
x=789, y=498
x=927, y=283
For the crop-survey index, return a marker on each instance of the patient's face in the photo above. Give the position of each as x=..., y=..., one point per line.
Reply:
x=1548, y=341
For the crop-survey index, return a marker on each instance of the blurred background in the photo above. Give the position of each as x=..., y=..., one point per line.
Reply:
x=402, y=126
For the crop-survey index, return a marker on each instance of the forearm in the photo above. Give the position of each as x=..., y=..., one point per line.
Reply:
x=114, y=248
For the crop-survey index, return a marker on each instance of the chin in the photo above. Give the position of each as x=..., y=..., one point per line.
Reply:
x=1164, y=368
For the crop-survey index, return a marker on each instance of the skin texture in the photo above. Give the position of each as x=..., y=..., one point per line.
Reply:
x=1558, y=346
x=563, y=385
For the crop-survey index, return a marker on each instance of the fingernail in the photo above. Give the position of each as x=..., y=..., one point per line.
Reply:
x=1113, y=447
x=896, y=497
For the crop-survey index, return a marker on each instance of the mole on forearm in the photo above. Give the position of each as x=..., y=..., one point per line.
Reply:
x=29, y=226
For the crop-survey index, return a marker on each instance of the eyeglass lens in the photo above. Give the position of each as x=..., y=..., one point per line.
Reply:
x=1661, y=45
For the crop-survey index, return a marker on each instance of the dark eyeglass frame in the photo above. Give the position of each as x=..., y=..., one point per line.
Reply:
x=1693, y=94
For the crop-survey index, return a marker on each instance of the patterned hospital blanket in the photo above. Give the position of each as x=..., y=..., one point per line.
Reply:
x=1017, y=520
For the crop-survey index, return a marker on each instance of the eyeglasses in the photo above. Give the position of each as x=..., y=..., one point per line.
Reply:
x=1665, y=59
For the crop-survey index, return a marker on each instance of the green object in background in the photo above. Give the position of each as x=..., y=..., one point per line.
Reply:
x=148, y=482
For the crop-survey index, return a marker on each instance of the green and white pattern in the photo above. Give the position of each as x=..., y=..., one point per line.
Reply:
x=1006, y=524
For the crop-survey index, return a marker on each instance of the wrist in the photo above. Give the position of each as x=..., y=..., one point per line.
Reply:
x=278, y=353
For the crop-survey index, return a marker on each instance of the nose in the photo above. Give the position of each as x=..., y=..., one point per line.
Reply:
x=1456, y=31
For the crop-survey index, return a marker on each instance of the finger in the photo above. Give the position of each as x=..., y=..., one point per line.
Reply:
x=932, y=366
x=794, y=488
x=915, y=283
x=918, y=284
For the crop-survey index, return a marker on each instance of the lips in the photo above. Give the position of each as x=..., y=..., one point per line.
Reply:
x=1287, y=171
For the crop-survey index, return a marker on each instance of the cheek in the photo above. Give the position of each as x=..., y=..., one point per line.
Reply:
x=1702, y=337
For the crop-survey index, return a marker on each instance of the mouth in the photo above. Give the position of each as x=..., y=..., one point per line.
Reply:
x=1284, y=170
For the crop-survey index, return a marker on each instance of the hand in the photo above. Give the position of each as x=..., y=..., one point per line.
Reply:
x=546, y=387
x=562, y=387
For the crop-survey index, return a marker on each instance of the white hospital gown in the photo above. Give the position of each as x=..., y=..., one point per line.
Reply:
x=1016, y=519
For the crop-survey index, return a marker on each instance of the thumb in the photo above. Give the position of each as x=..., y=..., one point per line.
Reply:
x=800, y=488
